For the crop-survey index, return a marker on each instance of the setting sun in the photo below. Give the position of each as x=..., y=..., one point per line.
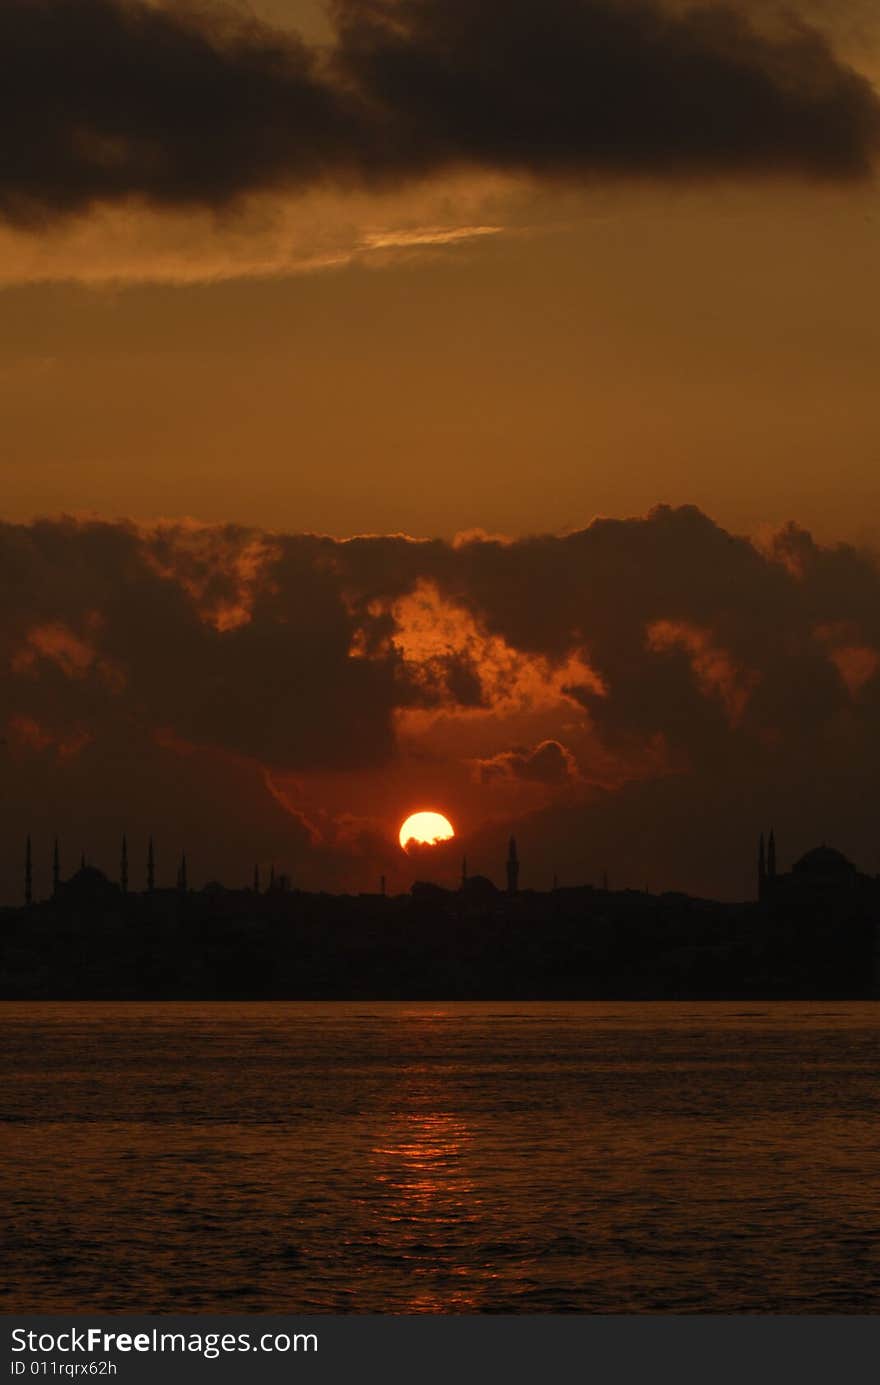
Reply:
x=426, y=829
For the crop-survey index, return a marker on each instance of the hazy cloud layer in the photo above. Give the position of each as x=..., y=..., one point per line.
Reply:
x=648, y=690
x=195, y=105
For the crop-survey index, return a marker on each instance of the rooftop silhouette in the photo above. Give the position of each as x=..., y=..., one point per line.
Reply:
x=813, y=930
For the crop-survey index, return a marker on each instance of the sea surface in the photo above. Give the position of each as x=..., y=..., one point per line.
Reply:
x=430, y=1158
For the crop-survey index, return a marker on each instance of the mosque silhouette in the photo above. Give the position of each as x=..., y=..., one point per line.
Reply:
x=811, y=931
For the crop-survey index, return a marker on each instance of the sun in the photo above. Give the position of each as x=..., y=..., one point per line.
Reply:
x=426, y=829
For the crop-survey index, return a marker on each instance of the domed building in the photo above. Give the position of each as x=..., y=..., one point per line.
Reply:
x=826, y=913
x=88, y=886
x=821, y=871
x=479, y=889
x=825, y=868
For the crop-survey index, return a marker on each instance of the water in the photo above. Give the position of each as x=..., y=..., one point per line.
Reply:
x=590, y=1157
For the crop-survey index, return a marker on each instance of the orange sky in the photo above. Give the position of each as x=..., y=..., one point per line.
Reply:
x=471, y=348
x=717, y=347
x=449, y=344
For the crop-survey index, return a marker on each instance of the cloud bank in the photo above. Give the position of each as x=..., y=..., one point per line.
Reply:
x=197, y=106
x=643, y=694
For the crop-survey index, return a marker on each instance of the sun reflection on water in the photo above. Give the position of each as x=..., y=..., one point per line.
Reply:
x=428, y=1200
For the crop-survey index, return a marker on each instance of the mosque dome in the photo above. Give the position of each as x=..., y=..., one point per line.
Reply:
x=478, y=887
x=88, y=883
x=824, y=863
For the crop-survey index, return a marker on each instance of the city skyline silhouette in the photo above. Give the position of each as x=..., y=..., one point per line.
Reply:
x=813, y=930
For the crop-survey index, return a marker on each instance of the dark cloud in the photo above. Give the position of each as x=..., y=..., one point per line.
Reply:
x=182, y=105
x=192, y=676
x=579, y=87
x=105, y=624
x=104, y=99
x=546, y=763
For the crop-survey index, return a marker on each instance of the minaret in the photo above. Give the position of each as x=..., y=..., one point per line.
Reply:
x=28, y=875
x=151, y=868
x=463, y=871
x=181, y=875
x=56, y=870
x=256, y=879
x=771, y=856
x=512, y=867
x=123, y=866
x=272, y=877
x=382, y=886
x=762, y=868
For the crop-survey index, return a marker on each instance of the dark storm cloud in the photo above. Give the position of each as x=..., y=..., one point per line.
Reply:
x=578, y=87
x=103, y=100
x=168, y=674
x=297, y=650
x=106, y=99
x=698, y=635
x=107, y=626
